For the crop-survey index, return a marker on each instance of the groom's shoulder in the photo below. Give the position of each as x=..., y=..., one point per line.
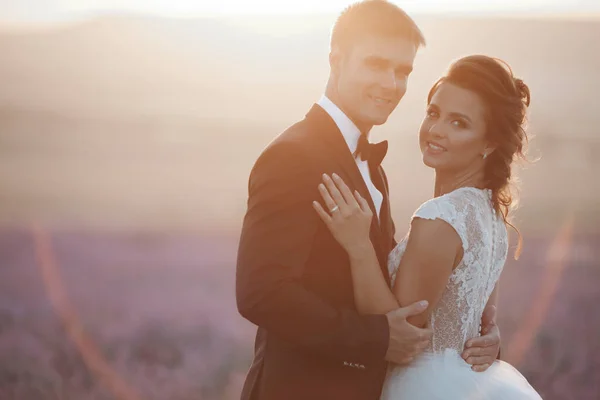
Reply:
x=292, y=142
x=297, y=133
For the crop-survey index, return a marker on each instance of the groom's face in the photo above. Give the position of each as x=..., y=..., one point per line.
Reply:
x=371, y=77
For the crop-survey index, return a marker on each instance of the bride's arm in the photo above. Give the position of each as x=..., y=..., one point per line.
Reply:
x=433, y=250
x=350, y=224
x=372, y=294
x=431, y=254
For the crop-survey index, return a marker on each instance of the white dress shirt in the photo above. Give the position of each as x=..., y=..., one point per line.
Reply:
x=351, y=134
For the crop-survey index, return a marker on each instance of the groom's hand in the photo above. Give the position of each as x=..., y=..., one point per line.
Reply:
x=406, y=340
x=482, y=351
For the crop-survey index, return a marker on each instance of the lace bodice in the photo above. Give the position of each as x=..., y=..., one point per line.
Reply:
x=457, y=316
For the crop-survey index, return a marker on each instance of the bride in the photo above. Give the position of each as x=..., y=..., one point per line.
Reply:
x=455, y=250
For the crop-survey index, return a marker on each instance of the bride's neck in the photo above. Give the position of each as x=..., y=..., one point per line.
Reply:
x=446, y=182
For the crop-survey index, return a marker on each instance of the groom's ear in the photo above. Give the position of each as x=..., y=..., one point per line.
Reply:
x=335, y=60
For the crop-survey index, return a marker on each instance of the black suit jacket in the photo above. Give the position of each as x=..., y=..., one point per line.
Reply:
x=293, y=279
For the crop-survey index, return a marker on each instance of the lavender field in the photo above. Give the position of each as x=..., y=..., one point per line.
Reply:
x=87, y=315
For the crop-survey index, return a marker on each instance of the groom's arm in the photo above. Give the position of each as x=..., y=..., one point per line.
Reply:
x=481, y=351
x=277, y=235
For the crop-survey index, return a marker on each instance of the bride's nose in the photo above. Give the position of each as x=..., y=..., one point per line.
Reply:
x=436, y=130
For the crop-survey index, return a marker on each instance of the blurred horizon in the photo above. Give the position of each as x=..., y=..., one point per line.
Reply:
x=160, y=87
x=33, y=15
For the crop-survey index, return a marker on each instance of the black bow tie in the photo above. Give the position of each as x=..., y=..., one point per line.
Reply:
x=374, y=153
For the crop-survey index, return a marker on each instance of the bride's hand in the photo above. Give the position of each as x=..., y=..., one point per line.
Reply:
x=349, y=217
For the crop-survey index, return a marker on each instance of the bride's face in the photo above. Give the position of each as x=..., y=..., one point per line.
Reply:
x=452, y=134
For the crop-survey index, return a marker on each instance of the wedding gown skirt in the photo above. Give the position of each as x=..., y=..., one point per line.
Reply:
x=446, y=376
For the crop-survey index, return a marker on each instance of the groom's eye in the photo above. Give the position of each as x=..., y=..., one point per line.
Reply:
x=375, y=65
x=403, y=71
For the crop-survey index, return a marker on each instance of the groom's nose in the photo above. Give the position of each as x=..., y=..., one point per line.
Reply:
x=389, y=81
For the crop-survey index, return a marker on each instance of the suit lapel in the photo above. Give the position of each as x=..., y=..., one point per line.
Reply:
x=338, y=152
x=386, y=223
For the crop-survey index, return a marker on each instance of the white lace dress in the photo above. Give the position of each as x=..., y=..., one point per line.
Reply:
x=440, y=372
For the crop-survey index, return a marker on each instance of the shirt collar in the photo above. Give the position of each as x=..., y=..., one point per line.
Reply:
x=349, y=130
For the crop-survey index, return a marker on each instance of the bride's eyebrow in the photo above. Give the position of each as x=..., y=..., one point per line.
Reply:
x=459, y=115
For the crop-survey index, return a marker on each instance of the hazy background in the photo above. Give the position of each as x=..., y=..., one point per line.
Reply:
x=126, y=137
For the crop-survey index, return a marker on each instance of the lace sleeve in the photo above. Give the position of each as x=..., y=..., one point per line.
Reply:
x=447, y=209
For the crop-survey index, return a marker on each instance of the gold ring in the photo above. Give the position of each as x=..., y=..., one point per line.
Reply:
x=334, y=209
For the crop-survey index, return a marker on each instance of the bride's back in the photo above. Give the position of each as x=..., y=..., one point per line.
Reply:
x=482, y=231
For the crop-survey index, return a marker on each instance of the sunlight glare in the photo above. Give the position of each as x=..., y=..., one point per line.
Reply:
x=186, y=8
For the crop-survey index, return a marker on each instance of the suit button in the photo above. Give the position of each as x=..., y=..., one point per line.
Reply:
x=346, y=363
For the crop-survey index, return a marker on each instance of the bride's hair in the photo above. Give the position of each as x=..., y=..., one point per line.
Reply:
x=506, y=99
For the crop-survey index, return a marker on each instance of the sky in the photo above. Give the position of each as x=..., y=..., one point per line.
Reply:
x=16, y=12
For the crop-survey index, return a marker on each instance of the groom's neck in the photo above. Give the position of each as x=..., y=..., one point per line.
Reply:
x=333, y=96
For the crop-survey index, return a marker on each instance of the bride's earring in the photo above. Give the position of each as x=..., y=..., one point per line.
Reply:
x=484, y=156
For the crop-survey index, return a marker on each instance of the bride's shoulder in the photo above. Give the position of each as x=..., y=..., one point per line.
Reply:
x=452, y=203
x=459, y=208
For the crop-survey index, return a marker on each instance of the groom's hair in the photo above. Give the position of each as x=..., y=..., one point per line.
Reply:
x=378, y=17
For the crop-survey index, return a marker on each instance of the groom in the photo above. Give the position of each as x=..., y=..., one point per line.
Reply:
x=293, y=279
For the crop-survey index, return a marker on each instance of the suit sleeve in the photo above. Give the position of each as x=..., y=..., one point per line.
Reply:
x=277, y=235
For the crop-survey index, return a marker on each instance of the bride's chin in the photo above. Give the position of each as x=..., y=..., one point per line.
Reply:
x=429, y=163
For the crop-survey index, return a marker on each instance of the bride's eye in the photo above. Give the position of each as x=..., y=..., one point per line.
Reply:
x=459, y=123
x=432, y=114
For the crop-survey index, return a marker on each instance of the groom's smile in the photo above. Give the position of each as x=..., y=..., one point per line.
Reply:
x=371, y=77
x=380, y=101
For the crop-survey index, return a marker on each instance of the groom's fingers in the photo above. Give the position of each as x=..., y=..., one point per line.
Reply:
x=490, y=339
x=489, y=353
x=406, y=360
x=422, y=346
x=489, y=316
x=413, y=309
x=478, y=360
x=480, y=342
x=481, y=356
x=480, y=368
